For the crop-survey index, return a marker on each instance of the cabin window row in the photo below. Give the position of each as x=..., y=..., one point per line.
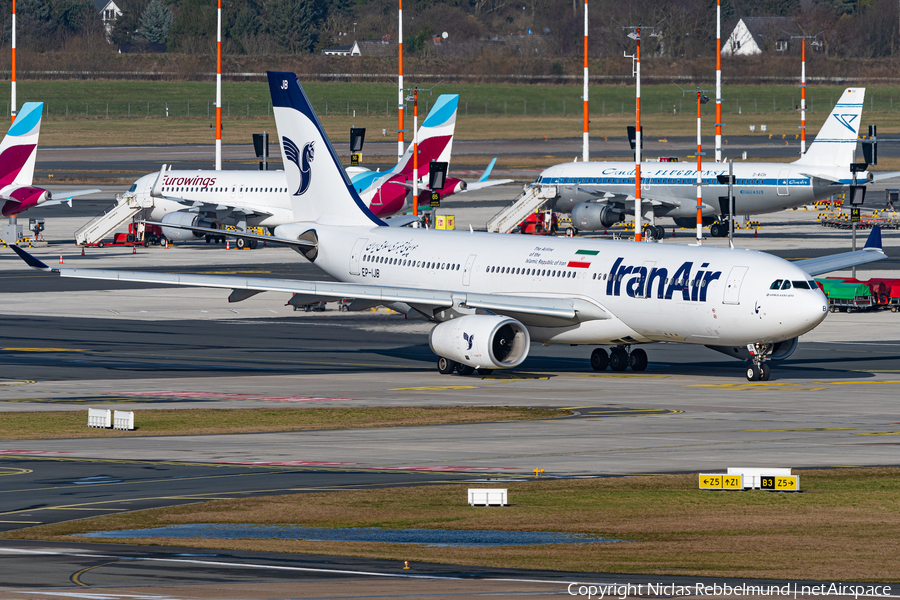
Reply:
x=534, y=272
x=406, y=262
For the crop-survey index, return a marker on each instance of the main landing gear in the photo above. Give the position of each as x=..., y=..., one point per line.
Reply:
x=759, y=370
x=619, y=359
x=447, y=367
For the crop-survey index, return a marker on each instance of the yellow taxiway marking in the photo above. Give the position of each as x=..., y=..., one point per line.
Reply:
x=14, y=471
x=627, y=375
x=233, y=272
x=11, y=382
x=434, y=388
x=879, y=433
x=75, y=577
x=24, y=522
x=804, y=429
x=44, y=349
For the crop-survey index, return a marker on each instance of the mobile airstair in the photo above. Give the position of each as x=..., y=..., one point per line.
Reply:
x=531, y=199
x=126, y=207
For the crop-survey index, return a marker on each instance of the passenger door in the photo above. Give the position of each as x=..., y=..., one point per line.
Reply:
x=356, y=255
x=467, y=272
x=782, y=187
x=733, y=285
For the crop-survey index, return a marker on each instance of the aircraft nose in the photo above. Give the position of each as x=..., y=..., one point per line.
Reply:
x=812, y=310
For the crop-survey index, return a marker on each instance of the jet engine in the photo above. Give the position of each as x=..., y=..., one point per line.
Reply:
x=481, y=341
x=185, y=219
x=780, y=350
x=591, y=216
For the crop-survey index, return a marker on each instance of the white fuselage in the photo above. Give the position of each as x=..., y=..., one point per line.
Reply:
x=653, y=292
x=760, y=187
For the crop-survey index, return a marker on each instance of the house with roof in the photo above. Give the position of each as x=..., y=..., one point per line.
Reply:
x=109, y=11
x=755, y=35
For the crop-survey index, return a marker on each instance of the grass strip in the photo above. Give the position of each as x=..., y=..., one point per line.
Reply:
x=843, y=526
x=73, y=424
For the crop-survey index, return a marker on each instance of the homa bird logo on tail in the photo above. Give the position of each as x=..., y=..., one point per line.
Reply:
x=470, y=339
x=847, y=121
x=302, y=161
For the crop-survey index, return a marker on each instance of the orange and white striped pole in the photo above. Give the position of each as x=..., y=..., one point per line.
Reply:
x=638, y=211
x=219, y=89
x=415, y=153
x=585, y=154
x=12, y=99
x=803, y=97
x=400, y=89
x=699, y=177
x=718, y=80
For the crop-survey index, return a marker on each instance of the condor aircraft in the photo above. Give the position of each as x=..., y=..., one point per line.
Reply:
x=492, y=295
x=262, y=198
x=599, y=194
x=18, y=152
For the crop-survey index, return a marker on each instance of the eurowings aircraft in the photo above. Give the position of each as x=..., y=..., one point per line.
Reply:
x=492, y=295
x=263, y=198
x=18, y=152
x=599, y=194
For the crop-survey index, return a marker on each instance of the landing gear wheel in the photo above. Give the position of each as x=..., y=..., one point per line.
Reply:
x=618, y=359
x=485, y=371
x=446, y=366
x=659, y=232
x=208, y=239
x=254, y=244
x=464, y=369
x=241, y=243
x=637, y=360
x=753, y=373
x=599, y=359
x=764, y=372
x=715, y=230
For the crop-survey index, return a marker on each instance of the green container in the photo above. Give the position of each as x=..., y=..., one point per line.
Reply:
x=848, y=291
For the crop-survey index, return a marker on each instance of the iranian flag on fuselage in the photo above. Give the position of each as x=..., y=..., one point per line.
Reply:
x=582, y=264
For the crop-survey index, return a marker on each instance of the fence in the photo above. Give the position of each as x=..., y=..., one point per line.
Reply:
x=600, y=105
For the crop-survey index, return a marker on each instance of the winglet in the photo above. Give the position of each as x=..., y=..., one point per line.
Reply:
x=487, y=172
x=29, y=259
x=874, y=240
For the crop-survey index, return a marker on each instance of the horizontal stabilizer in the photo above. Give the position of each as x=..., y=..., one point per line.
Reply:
x=834, y=262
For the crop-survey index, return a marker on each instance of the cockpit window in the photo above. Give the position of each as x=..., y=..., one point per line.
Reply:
x=812, y=284
x=786, y=285
x=133, y=187
x=801, y=285
x=776, y=285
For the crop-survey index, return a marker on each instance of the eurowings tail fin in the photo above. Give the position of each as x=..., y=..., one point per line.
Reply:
x=18, y=150
x=836, y=142
x=319, y=187
x=435, y=136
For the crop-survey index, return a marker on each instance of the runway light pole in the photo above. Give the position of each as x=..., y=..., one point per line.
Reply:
x=12, y=99
x=585, y=154
x=400, y=87
x=219, y=89
x=814, y=43
x=718, y=80
x=636, y=72
x=701, y=100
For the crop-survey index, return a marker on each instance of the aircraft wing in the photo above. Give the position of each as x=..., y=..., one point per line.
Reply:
x=68, y=197
x=871, y=252
x=884, y=176
x=478, y=185
x=528, y=309
x=401, y=220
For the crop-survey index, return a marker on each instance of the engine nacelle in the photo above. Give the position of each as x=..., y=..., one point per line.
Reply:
x=591, y=216
x=481, y=341
x=183, y=218
x=780, y=351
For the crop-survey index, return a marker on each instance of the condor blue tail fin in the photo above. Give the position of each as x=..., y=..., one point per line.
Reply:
x=319, y=187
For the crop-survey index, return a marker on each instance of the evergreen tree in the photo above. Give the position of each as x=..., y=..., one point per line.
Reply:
x=155, y=23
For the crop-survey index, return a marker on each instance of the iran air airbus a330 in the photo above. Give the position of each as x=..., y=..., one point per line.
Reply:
x=600, y=194
x=492, y=295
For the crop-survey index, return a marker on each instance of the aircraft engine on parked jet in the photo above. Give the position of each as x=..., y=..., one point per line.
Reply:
x=591, y=216
x=780, y=350
x=187, y=219
x=481, y=341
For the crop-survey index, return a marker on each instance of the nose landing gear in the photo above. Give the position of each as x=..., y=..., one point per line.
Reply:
x=619, y=359
x=759, y=370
